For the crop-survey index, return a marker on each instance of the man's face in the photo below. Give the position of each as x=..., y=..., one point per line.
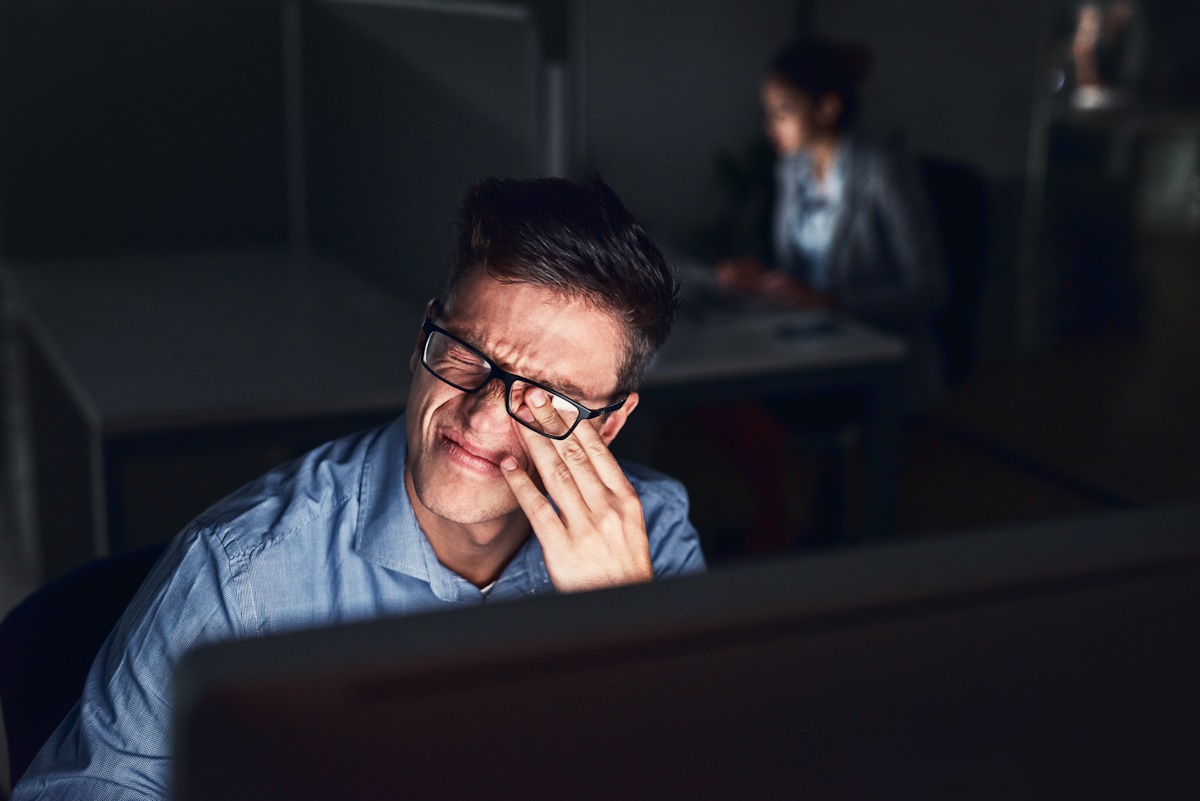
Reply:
x=456, y=440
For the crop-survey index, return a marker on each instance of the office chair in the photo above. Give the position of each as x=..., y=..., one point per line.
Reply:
x=961, y=204
x=48, y=643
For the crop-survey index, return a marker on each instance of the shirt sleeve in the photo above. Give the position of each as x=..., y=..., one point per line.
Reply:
x=674, y=543
x=115, y=743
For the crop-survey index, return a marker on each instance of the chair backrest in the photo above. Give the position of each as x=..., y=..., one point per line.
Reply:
x=48, y=643
x=961, y=205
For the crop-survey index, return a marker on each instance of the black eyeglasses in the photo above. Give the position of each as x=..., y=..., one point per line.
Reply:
x=463, y=367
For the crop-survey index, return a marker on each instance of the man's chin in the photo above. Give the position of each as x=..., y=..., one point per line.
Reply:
x=466, y=502
x=470, y=515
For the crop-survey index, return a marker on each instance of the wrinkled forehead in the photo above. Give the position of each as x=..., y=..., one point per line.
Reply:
x=568, y=343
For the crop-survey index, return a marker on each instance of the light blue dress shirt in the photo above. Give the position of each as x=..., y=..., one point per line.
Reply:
x=328, y=538
x=806, y=218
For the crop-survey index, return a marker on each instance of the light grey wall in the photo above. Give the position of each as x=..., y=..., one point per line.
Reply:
x=669, y=84
x=955, y=78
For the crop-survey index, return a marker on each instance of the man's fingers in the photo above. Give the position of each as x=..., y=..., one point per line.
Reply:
x=601, y=458
x=539, y=511
x=561, y=479
x=594, y=531
x=547, y=412
x=590, y=466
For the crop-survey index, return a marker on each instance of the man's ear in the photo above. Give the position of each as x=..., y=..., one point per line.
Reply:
x=415, y=359
x=615, y=421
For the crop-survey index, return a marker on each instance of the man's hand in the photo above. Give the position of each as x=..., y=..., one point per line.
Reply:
x=597, y=537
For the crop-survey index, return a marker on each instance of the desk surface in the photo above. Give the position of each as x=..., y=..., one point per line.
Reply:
x=721, y=338
x=758, y=344
x=150, y=343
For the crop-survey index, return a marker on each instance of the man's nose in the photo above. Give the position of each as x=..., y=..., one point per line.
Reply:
x=486, y=408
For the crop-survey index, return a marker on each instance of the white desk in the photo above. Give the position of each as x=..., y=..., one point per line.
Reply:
x=195, y=350
x=752, y=345
x=724, y=355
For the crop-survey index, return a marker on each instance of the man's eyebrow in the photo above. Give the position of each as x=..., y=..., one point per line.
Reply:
x=559, y=384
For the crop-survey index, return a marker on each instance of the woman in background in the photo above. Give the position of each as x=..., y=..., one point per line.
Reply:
x=852, y=227
x=852, y=231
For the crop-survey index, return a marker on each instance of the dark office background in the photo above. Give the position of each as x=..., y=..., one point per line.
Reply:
x=133, y=127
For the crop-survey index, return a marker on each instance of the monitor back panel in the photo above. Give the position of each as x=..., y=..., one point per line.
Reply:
x=1048, y=672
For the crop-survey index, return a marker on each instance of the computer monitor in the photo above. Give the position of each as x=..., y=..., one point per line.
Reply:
x=1057, y=661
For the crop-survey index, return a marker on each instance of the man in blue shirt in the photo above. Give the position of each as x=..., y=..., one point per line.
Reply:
x=497, y=483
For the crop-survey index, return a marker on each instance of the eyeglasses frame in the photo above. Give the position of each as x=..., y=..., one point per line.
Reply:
x=507, y=379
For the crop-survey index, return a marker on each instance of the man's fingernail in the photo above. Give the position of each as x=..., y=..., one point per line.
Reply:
x=537, y=397
x=508, y=463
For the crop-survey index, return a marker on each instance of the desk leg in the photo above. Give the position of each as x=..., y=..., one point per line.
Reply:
x=882, y=445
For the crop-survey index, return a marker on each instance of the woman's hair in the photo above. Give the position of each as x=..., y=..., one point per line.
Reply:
x=578, y=240
x=819, y=67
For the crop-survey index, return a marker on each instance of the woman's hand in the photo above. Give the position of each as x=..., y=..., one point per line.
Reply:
x=739, y=275
x=748, y=276
x=789, y=290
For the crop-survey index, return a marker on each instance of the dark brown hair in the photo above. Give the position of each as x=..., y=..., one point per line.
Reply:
x=819, y=67
x=578, y=240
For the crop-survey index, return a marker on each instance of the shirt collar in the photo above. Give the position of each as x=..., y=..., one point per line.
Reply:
x=387, y=531
x=525, y=574
x=796, y=171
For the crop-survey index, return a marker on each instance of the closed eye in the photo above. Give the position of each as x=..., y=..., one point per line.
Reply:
x=455, y=354
x=463, y=357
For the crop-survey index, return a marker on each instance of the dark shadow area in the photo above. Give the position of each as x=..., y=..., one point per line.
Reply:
x=48, y=643
x=135, y=126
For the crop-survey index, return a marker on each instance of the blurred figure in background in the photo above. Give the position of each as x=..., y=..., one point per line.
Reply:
x=852, y=228
x=1102, y=55
x=852, y=231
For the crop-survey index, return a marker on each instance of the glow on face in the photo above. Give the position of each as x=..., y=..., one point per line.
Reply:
x=456, y=440
x=789, y=117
